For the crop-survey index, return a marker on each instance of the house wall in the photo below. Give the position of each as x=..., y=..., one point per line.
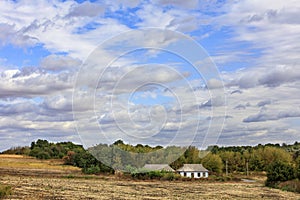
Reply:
x=194, y=174
x=206, y=174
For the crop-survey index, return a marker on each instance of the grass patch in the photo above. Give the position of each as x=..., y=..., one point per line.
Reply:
x=73, y=176
x=291, y=186
x=5, y=190
x=70, y=176
x=26, y=162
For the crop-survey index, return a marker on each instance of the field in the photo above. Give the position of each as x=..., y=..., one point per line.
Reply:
x=35, y=179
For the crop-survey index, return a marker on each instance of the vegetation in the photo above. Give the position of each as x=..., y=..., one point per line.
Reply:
x=278, y=172
x=5, y=190
x=111, y=187
x=17, y=151
x=281, y=162
x=159, y=175
x=282, y=175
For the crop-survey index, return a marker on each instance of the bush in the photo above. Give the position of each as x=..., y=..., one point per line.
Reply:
x=158, y=175
x=170, y=176
x=279, y=172
x=93, y=169
x=17, y=151
x=291, y=186
x=5, y=190
x=43, y=155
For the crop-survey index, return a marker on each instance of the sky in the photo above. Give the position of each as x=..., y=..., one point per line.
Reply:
x=157, y=72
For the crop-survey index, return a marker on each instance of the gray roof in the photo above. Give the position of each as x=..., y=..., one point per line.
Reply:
x=192, y=168
x=158, y=167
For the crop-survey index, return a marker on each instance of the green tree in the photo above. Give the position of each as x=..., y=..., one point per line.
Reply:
x=192, y=155
x=279, y=171
x=213, y=162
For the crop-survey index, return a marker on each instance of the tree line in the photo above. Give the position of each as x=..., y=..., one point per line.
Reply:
x=282, y=162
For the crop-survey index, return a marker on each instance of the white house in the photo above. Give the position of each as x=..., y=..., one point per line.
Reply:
x=193, y=171
x=158, y=167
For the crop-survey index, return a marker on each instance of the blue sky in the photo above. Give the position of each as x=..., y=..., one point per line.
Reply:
x=246, y=92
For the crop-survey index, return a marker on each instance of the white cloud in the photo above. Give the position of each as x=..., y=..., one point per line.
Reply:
x=175, y=19
x=60, y=63
x=253, y=77
x=37, y=102
x=270, y=26
x=86, y=9
x=22, y=83
x=189, y=4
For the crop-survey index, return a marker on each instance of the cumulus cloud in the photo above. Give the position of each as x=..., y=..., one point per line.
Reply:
x=262, y=99
x=215, y=102
x=133, y=78
x=18, y=83
x=278, y=75
x=86, y=9
x=174, y=19
x=263, y=116
x=17, y=108
x=58, y=103
x=190, y=4
x=60, y=63
x=122, y=4
x=270, y=27
x=264, y=103
x=6, y=31
x=214, y=83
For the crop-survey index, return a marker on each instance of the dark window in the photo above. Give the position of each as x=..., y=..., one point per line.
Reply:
x=184, y=173
x=198, y=174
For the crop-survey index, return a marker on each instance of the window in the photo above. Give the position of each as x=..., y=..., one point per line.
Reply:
x=199, y=174
x=184, y=173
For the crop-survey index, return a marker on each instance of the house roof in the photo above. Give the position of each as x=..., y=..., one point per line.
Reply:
x=192, y=168
x=158, y=167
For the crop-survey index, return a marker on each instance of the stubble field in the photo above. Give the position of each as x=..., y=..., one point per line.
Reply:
x=34, y=179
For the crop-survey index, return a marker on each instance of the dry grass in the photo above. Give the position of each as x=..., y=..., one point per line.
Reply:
x=43, y=185
x=26, y=162
x=107, y=188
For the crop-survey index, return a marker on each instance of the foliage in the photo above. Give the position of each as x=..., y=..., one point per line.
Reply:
x=86, y=161
x=258, y=157
x=213, y=163
x=42, y=149
x=72, y=154
x=91, y=169
x=159, y=175
x=5, y=190
x=136, y=156
x=291, y=186
x=279, y=172
x=17, y=151
x=120, y=155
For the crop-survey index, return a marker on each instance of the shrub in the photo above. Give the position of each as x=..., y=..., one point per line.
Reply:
x=43, y=155
x=147, y=175
x=93, y=169
x=5, y=190
x=158, y=175
x=170, y=176
x=279, y=172
x=291, y=186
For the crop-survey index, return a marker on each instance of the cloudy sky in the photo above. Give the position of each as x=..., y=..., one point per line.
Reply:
x=161, y=72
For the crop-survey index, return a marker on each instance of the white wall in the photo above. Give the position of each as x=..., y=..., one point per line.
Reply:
x=189, y=174
x=206, y=174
